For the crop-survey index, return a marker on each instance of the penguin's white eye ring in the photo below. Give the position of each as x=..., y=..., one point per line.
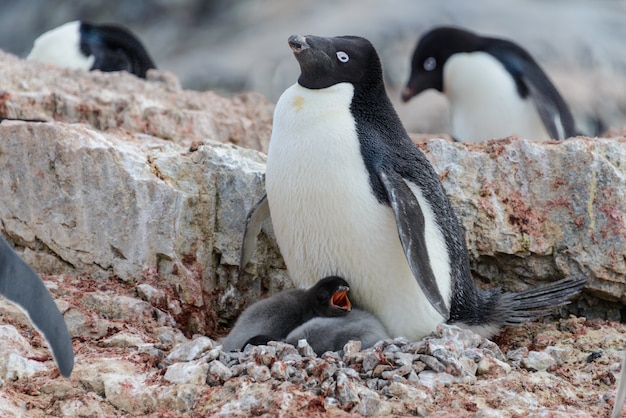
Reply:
x=342, y=56
x=430, y=63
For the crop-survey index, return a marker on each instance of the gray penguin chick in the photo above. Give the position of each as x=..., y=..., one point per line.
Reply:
x=331, y=334
x=272, y=319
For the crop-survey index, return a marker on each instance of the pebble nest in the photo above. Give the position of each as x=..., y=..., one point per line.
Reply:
x=398, y=377
x=131, y=359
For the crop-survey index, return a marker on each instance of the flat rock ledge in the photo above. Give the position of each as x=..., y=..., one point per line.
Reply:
x=130, y=196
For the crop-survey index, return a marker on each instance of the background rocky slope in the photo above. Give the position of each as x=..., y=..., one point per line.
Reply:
x=232, y=47
x=130, y=200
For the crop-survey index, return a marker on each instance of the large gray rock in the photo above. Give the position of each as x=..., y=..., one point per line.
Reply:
x=76, y=200
x=540, y=210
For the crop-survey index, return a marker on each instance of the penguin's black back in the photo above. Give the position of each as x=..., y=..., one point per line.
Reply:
x=377, y=119
x=115, y=48
x=522, y=66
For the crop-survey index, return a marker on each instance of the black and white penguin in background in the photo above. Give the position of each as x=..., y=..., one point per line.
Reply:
x=349, y=194
x=495, y=88
x=21, y=285
x=93, y=47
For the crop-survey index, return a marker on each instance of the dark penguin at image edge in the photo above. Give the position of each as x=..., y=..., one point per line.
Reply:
x=494, y=86
x=349, y=194
x=273, y=318
x=22, y=286
x=88, y=46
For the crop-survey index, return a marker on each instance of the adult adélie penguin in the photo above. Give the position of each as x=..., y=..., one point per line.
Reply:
x=494, y=86
x=21, y=285
x=350, y=195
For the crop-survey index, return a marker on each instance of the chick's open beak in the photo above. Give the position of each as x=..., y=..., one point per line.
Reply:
x=340, y=299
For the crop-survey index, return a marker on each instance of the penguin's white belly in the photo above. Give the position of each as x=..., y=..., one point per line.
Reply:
x=326, y=218
x=61, y=46
x=484, y=102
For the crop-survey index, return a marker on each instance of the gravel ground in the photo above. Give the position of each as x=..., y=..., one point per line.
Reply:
x=132, y=361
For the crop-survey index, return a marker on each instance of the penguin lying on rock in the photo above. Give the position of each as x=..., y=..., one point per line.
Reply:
x=495, y=88
x=273, y=318
x=21, y=285
x=350, y=194
x=92, y=47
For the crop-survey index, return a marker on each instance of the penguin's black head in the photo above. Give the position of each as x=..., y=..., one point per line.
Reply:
x=325, y=62
x=431, y=54
x=114, y=48
x=331, y=297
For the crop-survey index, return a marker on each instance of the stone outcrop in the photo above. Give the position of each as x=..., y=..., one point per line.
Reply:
x=539, y=210
x=130, y=198
x=140, y=209
x=130, y=182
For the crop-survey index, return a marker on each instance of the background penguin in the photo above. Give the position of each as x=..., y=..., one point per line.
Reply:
x=21, y=285
x=92, y=47
x=495, y=88
x=273, y=318
x=331, y=334
x=350, y=194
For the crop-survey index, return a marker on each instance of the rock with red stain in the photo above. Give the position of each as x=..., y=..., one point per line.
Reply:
x=534, y=211
x=218, y=373
x=492, y=367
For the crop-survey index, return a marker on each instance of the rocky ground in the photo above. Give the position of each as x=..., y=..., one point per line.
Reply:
x=132, y=360
x=129, y=198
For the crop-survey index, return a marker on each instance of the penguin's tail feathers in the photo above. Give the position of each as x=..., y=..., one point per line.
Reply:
x=534, y=303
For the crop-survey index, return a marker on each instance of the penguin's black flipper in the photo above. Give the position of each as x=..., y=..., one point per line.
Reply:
x=21, y=285
x=550, y=115
x=259, y=213
x=411, y=229
x=519, y=307
x=531, y=80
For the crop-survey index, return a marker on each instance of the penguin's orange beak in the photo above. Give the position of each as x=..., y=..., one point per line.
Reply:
x=340, y=299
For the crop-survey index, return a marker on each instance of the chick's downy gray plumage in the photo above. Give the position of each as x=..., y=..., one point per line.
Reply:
x=272, y=319
x=331, y=334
